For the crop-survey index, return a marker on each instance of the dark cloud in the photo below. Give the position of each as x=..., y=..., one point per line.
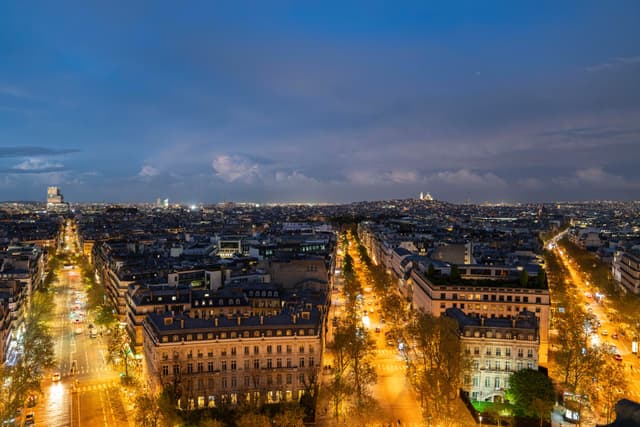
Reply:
x=28, y=151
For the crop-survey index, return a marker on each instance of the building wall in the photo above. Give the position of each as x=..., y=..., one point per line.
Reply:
x=215, y=371
x=484, y=301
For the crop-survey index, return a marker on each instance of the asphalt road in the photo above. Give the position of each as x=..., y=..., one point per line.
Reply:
x=630, y=362
x=88, y=393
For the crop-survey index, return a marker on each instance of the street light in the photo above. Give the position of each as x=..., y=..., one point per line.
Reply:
x=480, y=418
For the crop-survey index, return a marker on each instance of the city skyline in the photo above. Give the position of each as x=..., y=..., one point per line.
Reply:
x=285, y=102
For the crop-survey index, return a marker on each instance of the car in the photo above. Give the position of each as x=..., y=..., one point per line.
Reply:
x=55, y=377
x=32, y=400
x=390, y=343
x=30, y=419
x=617, y=357
x=378, y=330
x=604, y=333
x=614, y=336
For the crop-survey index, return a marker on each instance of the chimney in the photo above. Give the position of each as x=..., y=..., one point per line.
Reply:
x=239, y=318
x=181, y=323
x=215, y=321
x=481, y=321
x=294, y=318
x=513, y=322
x=261, y=319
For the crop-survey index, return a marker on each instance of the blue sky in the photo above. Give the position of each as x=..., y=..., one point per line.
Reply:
x=320, y=101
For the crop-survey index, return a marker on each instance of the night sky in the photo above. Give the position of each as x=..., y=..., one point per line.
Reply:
x=320, y=101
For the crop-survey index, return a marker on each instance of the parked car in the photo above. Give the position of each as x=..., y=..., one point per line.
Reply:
x=55, y=377
x=29, y=419
x=617, y=357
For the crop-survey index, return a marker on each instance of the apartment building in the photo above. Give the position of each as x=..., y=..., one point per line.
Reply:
x=499, y=300
x=229, y=360
x=625, y=270
x=497, y=347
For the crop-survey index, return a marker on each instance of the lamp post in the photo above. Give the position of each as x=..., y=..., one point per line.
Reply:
x=480, y=418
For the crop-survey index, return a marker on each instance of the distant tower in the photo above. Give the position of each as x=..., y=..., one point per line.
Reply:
x=54, y=196
x=428, y=197
x=55, y=200
x=421, y=195
x=165, y=203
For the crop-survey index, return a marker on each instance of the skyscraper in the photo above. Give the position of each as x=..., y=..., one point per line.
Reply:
x=54, y=196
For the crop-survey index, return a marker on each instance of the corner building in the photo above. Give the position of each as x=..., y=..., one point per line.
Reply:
x=228, y=360
x=497, y=348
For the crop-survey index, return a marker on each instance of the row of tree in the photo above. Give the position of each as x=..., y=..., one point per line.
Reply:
x=22, y=376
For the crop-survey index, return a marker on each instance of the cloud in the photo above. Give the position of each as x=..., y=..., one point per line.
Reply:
x=15, y=92
x=297, y=178
x=236, y=168
x=619, y=61
x=148, y=171
x=467, y=178
x=369, y=177
x=35, y=166
x=26, y=151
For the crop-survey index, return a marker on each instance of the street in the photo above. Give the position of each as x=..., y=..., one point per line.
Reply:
x=609, y=333
x=83, y=390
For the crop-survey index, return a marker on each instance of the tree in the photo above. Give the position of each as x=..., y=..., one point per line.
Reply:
x=436, y=364
x=612, y=385
x=532, y=393
x=147, y=411
x=524, y=279
x=290, y=417
x=455, y=272
x=431, y=271
x=252, y=419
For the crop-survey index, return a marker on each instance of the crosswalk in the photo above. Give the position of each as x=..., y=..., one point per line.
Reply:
x=84, y=370
x=96, y=387
x=390, y=366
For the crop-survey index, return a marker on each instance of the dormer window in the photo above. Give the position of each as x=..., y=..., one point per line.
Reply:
x=173, y=298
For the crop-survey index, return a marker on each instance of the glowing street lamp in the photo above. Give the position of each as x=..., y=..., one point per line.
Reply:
x=480, y=418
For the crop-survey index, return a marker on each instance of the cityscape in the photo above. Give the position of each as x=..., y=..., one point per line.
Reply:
x=319, y=214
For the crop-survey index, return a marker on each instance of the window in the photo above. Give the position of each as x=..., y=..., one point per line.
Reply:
x=289, y=378
x=301, y=349
x=279, y=349
x=497, y=365
x=488, y=353
x=189, y=368
x=530, y=353
x=256, y=349
x=200, y=367
x=538, y=300
x=476, y=351
x=233, y=351
x=301, y=364
x=507, y=351
x=223, y=382
x=223, y=365
x=233, y=365
x=269, y=364
x=289, y=349
x=497, y=382
x=443, y=296
x=520, y=353
x=278, y=363
x=234, y=382
x=311, y=361
x=209, y=366
x=507, y=365
x=165, y=369
x=256, y=363
x=288, y=363
x=269, y=349
x=498, y=351
x=246, y=364
x=487, y=382
x=525, y=299
x=487, y=364
x=476, y=381
x=246, y=382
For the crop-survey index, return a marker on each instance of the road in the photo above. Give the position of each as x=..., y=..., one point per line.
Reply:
x=393, y=393
x=88, y=392
x=607, y=330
